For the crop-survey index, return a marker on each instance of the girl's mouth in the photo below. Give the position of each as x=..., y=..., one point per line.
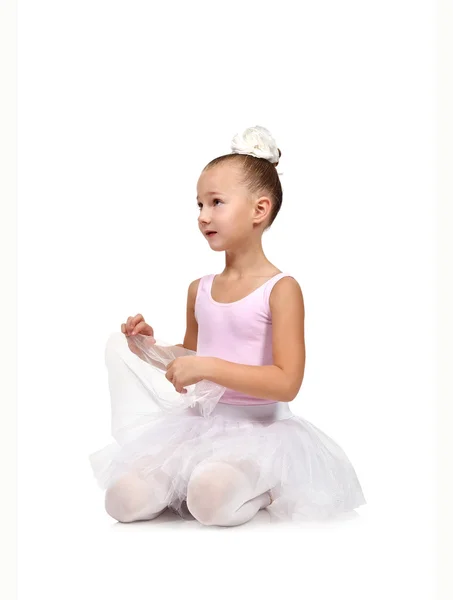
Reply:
x=210, y=233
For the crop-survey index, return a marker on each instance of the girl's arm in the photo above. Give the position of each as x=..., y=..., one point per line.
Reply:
x=282, y=380
x=191, y=336
x=267, y=381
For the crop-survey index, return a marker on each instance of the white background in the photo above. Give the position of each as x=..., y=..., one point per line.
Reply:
x=121, y=105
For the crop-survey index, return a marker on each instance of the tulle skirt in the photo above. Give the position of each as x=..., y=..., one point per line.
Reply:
x=307, y=473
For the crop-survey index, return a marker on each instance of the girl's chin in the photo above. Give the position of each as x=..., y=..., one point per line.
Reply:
x=213, y=238
x=216, y=244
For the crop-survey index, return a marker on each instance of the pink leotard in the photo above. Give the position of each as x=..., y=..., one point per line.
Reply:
x=239, y=332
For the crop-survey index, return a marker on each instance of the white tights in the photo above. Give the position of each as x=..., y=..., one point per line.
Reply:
x=218, y=493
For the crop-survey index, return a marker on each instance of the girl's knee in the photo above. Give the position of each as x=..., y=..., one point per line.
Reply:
x=129, y=499
x=212, y=492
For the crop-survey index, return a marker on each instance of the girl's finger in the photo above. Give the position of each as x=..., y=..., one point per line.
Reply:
x=128, y=324
x=137, y=320
x=142, y=326
x=172, y=379
x=123, y=328
x=138, y=328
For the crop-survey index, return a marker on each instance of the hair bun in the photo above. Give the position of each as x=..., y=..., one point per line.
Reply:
x=256, y=141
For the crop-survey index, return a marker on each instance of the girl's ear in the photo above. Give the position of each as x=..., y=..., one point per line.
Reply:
x=263, y=207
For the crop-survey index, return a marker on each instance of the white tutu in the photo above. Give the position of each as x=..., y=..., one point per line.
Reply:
x=308, y=474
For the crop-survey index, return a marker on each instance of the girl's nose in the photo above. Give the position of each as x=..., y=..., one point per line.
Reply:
x=204, y=219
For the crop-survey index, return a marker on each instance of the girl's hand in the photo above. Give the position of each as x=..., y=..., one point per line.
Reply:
x=132, y=327
x=186, y=370
x=136, y=325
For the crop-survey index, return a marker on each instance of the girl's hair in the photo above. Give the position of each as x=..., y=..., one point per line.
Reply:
x=259, y=176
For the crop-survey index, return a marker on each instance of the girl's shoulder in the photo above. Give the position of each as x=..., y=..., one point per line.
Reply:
x=194, y=286
x=282, y=289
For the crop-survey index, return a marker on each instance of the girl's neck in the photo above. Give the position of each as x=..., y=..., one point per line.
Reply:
x=247, y=262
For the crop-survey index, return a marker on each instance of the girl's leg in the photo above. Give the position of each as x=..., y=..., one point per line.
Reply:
x=225, y=493
x=133, y=498
x=141, y=493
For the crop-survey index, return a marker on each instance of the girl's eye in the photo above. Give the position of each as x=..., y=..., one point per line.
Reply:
x=200, y=206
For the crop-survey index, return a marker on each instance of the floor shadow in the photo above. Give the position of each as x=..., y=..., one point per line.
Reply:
x=170, y=518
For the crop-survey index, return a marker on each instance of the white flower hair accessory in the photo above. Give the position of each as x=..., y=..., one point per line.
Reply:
x=258, y=142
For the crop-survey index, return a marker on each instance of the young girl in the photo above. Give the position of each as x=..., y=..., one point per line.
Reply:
x=245, y=333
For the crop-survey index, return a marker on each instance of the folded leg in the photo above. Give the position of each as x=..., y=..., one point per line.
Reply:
x=133, y=498
x=226, y=493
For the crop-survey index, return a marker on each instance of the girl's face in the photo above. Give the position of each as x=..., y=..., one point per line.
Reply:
x=225, y=207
